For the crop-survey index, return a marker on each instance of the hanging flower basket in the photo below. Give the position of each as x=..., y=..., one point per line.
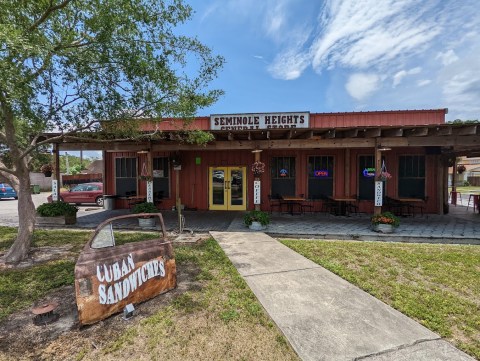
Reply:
x=258, y=168
x=46, y=169
x=461, y=168
x=384, y=175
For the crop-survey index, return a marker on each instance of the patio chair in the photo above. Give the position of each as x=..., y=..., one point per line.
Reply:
x=274, y=203
x=420, y=206
x=352, y=207
x=307, y=204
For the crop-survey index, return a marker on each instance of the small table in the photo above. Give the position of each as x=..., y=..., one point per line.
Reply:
x=409, y=204
x=291, y=201
x=135, y=200
x=343, y=202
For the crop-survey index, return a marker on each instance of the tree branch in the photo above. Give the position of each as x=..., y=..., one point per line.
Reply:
x=47, y=13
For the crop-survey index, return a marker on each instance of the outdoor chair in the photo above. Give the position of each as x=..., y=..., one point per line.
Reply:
x=352, y=207
x=307, y=204
x=275, y=203
x=420, y=206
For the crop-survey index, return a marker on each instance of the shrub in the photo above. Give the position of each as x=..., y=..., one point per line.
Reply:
x=56, y=209
x=257, y=216
x=145, y=207
x=386, y=218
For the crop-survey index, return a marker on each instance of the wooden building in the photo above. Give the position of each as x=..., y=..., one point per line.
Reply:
x=309, y=155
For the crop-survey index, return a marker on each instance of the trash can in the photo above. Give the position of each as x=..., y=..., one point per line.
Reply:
x=35, y=188
x=109, y=201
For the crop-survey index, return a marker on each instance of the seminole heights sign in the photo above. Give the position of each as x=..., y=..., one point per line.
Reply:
x=259, y=121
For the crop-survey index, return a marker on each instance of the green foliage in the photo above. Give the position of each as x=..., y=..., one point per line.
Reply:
x=19, y=288
x=386, y=218
x=256, y=216
x=145, y=207
x=56, y=209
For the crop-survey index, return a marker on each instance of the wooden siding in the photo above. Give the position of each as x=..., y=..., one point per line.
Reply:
x=193, y=180
x=330, y=120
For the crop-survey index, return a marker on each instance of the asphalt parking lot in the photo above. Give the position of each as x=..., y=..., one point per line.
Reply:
x=9, y=208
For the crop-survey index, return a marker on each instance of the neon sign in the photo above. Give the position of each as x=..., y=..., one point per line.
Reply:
x=369, y=172
x=283, y=172
x=320, y=173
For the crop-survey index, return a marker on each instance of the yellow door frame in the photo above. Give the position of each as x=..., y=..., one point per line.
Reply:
x=227, y=189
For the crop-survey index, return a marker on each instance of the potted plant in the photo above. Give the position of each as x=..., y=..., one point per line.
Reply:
x=461, y=168
x=144, y=220
x=385, y=222
x=256, y=220
x=46, y=169
x=57, y=213
x=258, y=168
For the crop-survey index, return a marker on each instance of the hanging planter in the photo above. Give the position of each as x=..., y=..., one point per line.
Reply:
x=47, y=169
x=384, y=175
x=461, y=168
x=258, y=168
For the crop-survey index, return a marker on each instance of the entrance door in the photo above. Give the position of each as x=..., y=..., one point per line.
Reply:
x=227, y=188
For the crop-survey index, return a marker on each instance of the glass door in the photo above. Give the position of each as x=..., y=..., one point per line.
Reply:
x=227, y=188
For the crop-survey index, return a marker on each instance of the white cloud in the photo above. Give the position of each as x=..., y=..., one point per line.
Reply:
x=423, y=82
x=289, y=66
x=398, y=77
x=447, y=57
x=362, y=85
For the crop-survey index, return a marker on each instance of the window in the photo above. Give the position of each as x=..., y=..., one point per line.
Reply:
x=366, y=177
x=411, y=176
x=283, y=176
x=320, y=177
x=161, y=178
x=125, y=176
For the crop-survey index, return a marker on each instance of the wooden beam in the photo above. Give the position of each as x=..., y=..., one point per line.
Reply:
x=307, y=135
x=373, y=133
x=469, y=130
x=397, y=132
x=417, y=132
x=330, y=134
x=440, y=131
x=351, y=133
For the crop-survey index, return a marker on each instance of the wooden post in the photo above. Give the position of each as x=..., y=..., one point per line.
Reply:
x=378, y=168
x=257, y=158
x=346, y=175
x=178, y=200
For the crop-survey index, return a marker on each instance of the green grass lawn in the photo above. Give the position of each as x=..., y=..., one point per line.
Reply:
x=218, y=317
x=437, y=285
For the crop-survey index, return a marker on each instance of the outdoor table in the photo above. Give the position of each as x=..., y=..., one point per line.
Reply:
x=409, y=204
x=292, y=201
x=135, y=200
x=343, y=202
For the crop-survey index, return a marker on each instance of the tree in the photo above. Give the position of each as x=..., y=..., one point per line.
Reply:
x=65, y=65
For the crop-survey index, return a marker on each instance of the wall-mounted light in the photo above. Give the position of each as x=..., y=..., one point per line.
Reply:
x=383, y=148
x=257, y=150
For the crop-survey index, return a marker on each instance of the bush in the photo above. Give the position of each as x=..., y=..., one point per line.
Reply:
x=386, y=218
x=145, y=207
x=257, y=216
x=466, y=183
x=56, y=209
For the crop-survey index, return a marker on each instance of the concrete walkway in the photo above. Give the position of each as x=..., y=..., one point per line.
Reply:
x=323, y=316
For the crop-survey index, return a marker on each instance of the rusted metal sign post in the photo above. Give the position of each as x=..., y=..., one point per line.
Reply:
x=109, y=277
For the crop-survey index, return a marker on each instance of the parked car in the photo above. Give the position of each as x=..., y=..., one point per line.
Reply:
x=6, y=191
x=83, y=193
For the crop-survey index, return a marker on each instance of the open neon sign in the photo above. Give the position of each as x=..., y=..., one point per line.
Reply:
x=320, y=173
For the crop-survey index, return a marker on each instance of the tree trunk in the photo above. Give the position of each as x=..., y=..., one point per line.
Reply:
x=26, y=224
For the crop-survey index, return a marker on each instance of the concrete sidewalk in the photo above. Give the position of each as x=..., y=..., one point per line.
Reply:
x=323, y=316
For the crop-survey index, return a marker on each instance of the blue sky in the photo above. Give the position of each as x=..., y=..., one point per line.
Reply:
x=336, y=56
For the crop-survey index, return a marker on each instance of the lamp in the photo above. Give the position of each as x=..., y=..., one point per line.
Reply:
x=256, y=150
x=383, y=148
x=142, y=152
